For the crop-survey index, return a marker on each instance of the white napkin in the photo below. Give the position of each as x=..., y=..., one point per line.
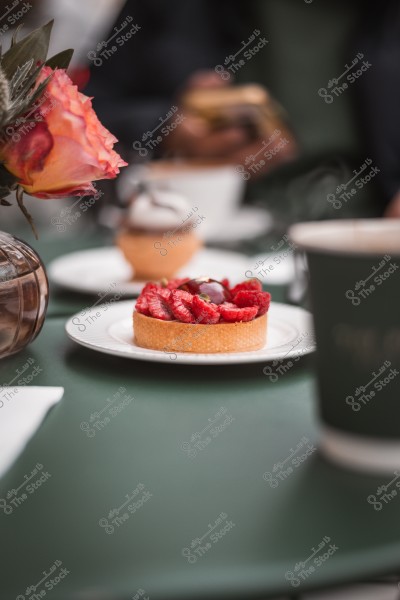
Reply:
x=22, y=410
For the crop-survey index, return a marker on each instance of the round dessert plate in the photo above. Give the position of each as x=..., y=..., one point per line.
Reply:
x=246, y=223
x=105, y=270
x=273, y=268
x=108, y=328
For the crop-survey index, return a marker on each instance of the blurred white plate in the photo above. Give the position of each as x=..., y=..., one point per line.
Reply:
x=272, y=269
x=247, y=222
x=105, y=271
x=109, y=329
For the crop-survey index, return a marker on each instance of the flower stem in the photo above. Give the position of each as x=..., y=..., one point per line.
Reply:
x=25, y=212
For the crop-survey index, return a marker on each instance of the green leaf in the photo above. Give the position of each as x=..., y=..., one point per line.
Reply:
x=30, y=82
x=6, y=191
x=7, y=179
x=23, y=102
x=35, y=45
x=60, y=60
x=15, y=34
x=20, y=76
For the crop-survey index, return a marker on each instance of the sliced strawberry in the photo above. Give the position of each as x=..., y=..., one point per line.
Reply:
x=158, y=303
x=181, y=303
x=206, y=313
x=232, y=314
x=247, y=298
x=251, y=285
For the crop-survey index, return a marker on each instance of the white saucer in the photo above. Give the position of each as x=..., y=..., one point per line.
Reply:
x=248, y=222
x=108, y=329
x=104, y=271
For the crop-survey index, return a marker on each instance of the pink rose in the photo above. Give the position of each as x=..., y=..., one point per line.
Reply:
x=61, y=155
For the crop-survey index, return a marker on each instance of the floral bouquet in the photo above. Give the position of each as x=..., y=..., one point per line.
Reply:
x=52, y=144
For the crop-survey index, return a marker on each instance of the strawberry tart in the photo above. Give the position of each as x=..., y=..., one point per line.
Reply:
x=201, y=315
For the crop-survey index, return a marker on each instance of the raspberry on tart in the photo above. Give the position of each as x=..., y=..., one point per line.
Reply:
x=181, y=306
x=158, y=302
x=232, y=313
x=142, y=304
x=206, y=312
x=249, y=298
x=251, y=285
x=173, y=284
x=201, y=315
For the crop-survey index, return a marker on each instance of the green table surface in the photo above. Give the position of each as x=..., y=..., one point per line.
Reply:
x=270, y=529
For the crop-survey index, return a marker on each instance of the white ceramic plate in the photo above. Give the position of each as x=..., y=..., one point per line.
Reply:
x=273, y=268
x=248, y=222
x=105, y=271
x=108, y=329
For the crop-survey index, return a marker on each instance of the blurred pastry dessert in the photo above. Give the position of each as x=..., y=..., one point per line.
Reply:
x=158, y=234
x=249, y=106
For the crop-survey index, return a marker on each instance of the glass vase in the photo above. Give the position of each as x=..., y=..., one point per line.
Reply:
x=24, y=293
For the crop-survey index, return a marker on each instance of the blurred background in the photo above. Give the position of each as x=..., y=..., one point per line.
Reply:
x=327, y=81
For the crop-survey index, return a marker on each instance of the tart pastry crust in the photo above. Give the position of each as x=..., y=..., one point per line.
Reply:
x=174, y=336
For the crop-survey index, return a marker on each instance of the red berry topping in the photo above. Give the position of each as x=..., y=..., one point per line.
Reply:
x=206, y=313
x=149, y=287
x=203, y=300
x=142, y=305
x=260, y=299
x=175, y=283
x=251, y=285
x=225, y=282
x=181, y=303
x=158, y=303
x=231, y=313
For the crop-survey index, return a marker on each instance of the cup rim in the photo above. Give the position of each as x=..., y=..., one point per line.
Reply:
x=151, y=174
x=319, y=236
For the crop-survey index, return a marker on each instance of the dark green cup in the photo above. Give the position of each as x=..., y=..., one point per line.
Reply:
x=355, y=294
